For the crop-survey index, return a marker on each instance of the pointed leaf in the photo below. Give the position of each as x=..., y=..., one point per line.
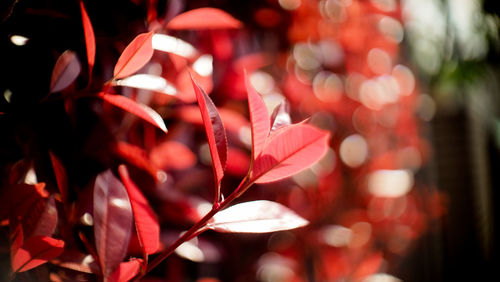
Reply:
x=131, y=106
x=66, y=70
x=288, y=151
x=259, y=119
x=88, y=31
x=216, y=134
x=135, y=55
x=112, y=221
x=126, y=271
x=281, y=116
x=35, y=251
x=146, y=223
x=256, y=217
x=204, y=18
x=61, y=176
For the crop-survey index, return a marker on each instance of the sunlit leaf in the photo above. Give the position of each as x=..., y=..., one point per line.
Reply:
x=281, y=116
x=66, y=70
x=126, y=271
x=256, y=217
x=170, y=44
x=259, y=119
x=204, y=18
x=135, y=55
x=215, y=132
x=61, y=176
x=288, y=151
x=112, y=221
x=35, y=251
x=146, y=223
x=131, y=106
x=148, y=82
x=88, y=31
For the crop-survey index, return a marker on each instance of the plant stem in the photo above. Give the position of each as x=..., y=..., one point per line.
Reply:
x=196, y=229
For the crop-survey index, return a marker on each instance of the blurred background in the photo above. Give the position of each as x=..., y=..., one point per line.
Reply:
x=409, y=90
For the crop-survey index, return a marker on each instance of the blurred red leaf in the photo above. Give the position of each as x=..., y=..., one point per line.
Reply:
x=135, y=55
x=112, y=221
x=35, y=251
x=135, y=156
x=173, y=155
x=256, y=217
x=66, y=70
x=370, y=265
x=289, y=150
x=89, y=38
x=146, y=223
x=61, y=176
x=238, y=162
x=126, y=271
x=204, y=18
x=131, y=106
x=259, y=119
x=215, y=132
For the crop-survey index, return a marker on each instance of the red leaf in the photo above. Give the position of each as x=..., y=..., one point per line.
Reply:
x=216, y=134
x=16, y=238
x=281, y=116
x=146, y=223
x=89, y=38
x=173, y=155
x=135, y=55
x=126, y=271
x=256, y=217
x=43, y=222
x=238, y=162
x=61, y=176
x=112, y=221
x=259, y=119
x=35, y=251
x=131, y=106
x=135, y=156
x=289, y=151
x=204, y=18
x=66, y=70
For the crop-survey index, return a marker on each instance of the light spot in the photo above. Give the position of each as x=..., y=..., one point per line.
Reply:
x=391, y=28
x=170, y=44
x=87, y=219
x=390, y=183
x=203, y=65
x=120, y=203
x=262, y=82
x=354, y=150
x=7, y=94
x=336, y=235
x=327, y=86
x=290, y=4
x=379, y=61
x=19, y=40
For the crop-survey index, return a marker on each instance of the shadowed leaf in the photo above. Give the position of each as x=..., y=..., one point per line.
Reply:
x=66, y=70
x=112, y=221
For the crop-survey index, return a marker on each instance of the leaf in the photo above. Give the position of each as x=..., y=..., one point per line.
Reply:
x=61, y=176
x=88, y=31
x=146, y=223
x=148, y=82
x=259, y=119
x=173, y=155
x=112, y=221
x=126, y=271
x=35, y=251
x=135, y=55
x=281, y=116
x=135, y=156
x=66, y=70
x=131, y=106
x=288, y=151
x=204, y=18
x=44, y=222
x=216, y=134
x=256, y=217
x=174, y=45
